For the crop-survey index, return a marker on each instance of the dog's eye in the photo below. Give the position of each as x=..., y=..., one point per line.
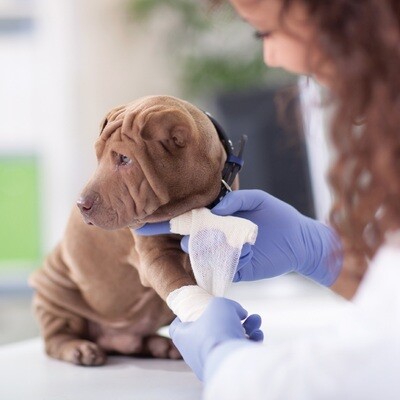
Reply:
x=123, y=160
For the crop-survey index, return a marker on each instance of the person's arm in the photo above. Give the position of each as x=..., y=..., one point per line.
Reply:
x=326, y=365
x=351, y=359
x=356, y=356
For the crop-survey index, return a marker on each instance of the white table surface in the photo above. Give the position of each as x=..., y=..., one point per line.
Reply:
x=289, y=306
x=26, y=373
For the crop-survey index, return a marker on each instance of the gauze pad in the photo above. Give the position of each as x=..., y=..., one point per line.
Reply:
x=215, y=245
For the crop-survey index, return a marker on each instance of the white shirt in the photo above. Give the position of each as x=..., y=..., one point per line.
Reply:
x=357, y=357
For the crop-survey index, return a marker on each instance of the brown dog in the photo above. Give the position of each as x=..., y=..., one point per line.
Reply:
x=103, y=288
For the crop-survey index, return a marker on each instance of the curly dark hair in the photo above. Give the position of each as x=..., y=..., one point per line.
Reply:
x=361, y=39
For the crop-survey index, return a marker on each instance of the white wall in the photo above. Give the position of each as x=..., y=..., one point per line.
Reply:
x=16, y=94
x=57, y=82
x=90, y=57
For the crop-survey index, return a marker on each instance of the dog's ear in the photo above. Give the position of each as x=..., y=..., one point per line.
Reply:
x=103, y=124
x=167, y=125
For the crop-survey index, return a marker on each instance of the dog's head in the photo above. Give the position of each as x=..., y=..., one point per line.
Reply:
x=158, y=157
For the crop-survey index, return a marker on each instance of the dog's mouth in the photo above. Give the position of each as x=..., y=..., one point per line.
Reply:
x=110, y=220
x=94, y=214
x=87, y=221
x=105, y=219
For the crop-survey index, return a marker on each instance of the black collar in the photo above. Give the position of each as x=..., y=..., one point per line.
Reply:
x=233, y=162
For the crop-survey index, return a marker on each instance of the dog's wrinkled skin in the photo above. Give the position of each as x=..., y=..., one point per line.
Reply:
x=102, y=289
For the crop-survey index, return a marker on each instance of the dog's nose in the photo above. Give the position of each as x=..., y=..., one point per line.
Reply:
x=85, y=204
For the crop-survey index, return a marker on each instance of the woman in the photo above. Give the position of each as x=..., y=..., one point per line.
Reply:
x=353, y=48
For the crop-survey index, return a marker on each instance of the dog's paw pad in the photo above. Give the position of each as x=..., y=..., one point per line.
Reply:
x=84, y=353
x=174, y=354
x=162, y=347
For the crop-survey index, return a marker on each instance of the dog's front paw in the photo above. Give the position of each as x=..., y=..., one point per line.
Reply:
x=83, y=352
x=161, y=347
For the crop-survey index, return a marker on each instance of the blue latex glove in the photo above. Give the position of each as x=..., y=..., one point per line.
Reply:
x=221, y=323
x=287, y=240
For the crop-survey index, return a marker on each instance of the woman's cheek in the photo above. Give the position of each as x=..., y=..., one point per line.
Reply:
x=294, y=57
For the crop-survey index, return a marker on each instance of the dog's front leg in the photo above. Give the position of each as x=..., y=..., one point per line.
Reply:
x=162, y=263
x=63, y=334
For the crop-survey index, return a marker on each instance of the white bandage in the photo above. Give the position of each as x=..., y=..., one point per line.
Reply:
x=215, y=245
x=188, y=302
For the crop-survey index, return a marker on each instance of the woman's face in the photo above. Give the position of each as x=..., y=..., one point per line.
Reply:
x=287, y=44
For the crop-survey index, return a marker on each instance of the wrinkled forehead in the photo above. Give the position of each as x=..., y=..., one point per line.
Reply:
x=127, y=120
x=110, y=128
x=120, y=117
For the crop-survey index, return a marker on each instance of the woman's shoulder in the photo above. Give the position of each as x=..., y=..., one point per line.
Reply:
x=388, y=256
x=392, y=241
x=379, y=289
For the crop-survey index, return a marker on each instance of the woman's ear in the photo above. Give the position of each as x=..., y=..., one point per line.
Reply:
x=171, y=125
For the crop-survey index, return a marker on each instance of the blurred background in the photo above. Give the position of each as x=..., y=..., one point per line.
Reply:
x=65, y=63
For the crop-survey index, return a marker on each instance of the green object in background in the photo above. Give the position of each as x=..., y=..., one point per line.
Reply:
x=20, y=241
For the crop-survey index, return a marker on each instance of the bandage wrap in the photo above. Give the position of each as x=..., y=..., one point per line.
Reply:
x=215, y=245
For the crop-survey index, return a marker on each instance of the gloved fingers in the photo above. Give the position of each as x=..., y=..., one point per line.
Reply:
x=229, y=205
x=241, y=312
x=252, y=327
x=257, y=336
x=185, y=244
x=252, y=323
x=157, y=228
x=237, y=277
x=174, y=325
x=239, y=200
x=254, y=270
x=245, y=274
x=220, y=306
x=245, y=256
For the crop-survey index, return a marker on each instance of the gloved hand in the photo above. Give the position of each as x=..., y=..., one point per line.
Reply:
x=220, y=323
x=287, y=240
